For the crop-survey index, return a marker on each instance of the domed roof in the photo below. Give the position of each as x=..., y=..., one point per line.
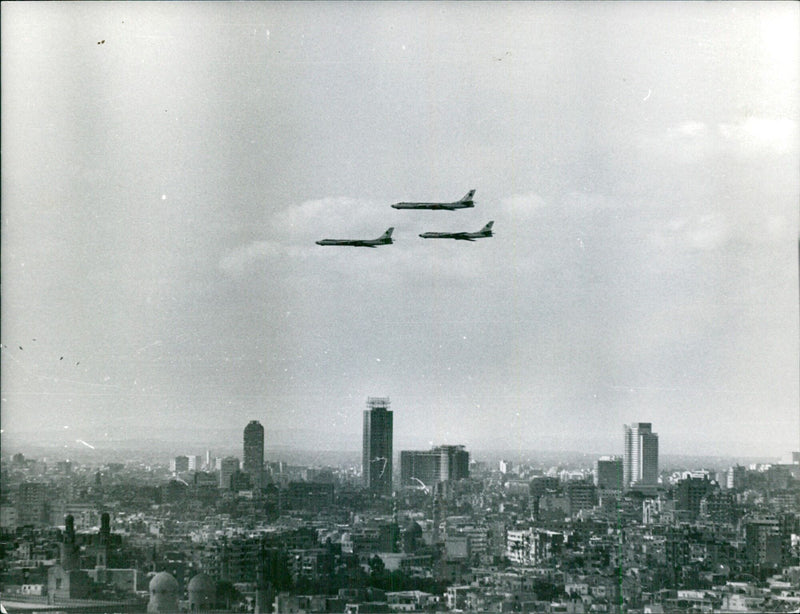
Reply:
x=202, y=583
x=163, y=582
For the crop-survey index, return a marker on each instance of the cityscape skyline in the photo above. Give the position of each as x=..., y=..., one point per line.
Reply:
x=130, y=536
x=163, y=192
x=634, y=469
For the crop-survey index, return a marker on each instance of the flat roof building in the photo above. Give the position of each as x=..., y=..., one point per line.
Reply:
x=253, y=463
x=377, y=446
x=439, y=464
x=640, y=463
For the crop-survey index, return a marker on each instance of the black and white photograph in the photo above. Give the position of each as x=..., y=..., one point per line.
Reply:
x=366, y=307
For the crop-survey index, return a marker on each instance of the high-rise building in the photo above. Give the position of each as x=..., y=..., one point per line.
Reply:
x=377, y=448
x=608, y=473
x=254, y=453
x=690, y=492
x=640, y=462
x=736, y=477
x=436, y=465
x=195, y=462
x=179, y=464
x=581, y=495
x=32, y=504
x=763, y=541
x=228, y=468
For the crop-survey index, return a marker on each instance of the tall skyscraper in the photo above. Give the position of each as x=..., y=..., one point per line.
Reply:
x=377, y=449
x=254, y=453
x=640, y=462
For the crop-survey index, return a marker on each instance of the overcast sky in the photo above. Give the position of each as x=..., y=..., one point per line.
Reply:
x=168, y=167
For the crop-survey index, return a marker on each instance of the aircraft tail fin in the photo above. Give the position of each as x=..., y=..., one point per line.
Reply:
x=388, y=233
x=488, y=227
x=468, y=197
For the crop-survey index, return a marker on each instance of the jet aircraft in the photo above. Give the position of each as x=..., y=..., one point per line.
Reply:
x=384, y=239
x=464, y=203
x=486, y=231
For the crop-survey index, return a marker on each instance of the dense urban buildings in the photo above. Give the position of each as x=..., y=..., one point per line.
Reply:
x=457, y=531
x=377, y=446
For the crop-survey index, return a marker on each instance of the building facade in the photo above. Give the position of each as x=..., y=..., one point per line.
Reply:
x=253, y=464
x=179, y=464
x=228, y=468
x=608, y=473
x=640, y=463
x=32, y=504
x=439, y=464
x=377, y=446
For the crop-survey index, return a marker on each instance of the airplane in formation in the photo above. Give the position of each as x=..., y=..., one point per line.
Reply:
x=484, y=232
x=464, y=203
x=384, y=239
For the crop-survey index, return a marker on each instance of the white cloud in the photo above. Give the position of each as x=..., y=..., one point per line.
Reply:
x=319, y=213
x=750, y=135
x=708, y=231
x=692, y=128
x=762, y=133
x=239, y=259
x=522, y=206
x=291, y=233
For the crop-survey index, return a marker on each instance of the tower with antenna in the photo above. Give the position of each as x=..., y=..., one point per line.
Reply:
x=377, y=446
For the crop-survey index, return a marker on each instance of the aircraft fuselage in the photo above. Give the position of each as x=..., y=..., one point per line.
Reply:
x=384, y=239
x=434, y=206
x=465, y=203
x=353, y=243
x=446, y=235
x=484, y=232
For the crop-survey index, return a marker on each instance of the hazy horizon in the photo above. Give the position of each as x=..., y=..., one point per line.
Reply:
x=309, y=452
x=167, y=169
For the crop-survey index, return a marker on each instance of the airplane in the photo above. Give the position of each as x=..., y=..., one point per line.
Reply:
x=464, y=203
x=384, y=239
x=486, y=231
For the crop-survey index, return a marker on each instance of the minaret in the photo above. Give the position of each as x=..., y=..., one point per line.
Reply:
x=69, y=550
x=438, y=510
x=104, y=540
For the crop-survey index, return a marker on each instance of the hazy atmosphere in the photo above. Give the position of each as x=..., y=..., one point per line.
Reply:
x=168, y=167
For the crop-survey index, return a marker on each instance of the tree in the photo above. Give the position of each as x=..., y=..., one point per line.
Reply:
x=377, y=567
